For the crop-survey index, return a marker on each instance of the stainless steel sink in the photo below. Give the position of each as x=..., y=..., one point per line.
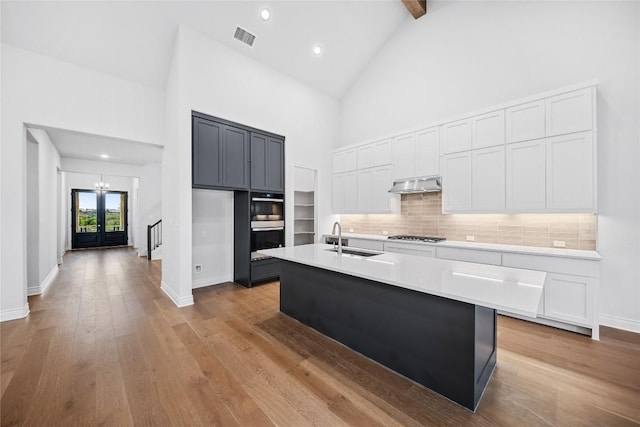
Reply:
x=354, y=253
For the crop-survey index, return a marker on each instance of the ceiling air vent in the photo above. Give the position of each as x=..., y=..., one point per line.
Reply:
x=244, y=36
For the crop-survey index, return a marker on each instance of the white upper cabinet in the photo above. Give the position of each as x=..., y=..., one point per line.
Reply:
x=570, y=173
x=428, y=152
x=345, y=160
x=457, y=136
x=456, y=182
x=404, y=156
x=488, y=179
x=526, y=176
x=569, y=112
x=382, y=152
x=350, y=192
x=488, y=130
x=345, y=192
x=338, y=193
x=525, y=122
x=531, y=155
x=383, y=201
x=365, y=156
x=365, y=190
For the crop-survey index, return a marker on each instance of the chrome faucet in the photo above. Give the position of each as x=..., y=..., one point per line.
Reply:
x=333, y=231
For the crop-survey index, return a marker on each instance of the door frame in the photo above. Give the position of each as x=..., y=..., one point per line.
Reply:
x=103, y=238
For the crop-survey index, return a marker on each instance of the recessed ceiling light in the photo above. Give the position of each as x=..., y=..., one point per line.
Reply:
x=104, y=156
x=265, y=14
x=317, y=50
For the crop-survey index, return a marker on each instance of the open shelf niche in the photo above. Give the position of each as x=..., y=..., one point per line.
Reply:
x=304, y=207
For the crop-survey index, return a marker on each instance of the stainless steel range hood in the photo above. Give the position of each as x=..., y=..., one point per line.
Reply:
x=431, y=184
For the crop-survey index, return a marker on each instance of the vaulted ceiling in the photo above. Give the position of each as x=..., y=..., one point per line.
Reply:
x=134, y=40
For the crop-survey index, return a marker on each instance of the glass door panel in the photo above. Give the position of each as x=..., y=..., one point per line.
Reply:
x=99, y=218
x=87, y=212
x=113, y=210
x=86, y=219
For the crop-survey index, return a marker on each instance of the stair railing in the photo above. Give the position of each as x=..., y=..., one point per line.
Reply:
x=154, y=237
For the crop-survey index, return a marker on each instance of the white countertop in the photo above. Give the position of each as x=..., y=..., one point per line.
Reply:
x=509, y=289
x=530, y=250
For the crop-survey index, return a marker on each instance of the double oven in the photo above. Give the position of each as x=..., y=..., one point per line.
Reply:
x=267, y=222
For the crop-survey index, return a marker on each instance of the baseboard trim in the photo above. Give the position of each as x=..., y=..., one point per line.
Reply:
x=201, y=283
x=14, y=313
x=38, y=289
x=178, y=301
x=620, y=323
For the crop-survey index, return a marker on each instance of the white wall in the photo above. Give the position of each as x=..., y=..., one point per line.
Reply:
x=33, y=263
x=43, y=91
x=149, y=201
x=212, y=217
x=464, y=56
x=47, y=193
x=212, y=79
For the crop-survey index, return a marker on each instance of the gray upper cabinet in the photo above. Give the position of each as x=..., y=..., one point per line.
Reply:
x=207, y=146
x=267, y=163
x=235, y=155
x=220, y=155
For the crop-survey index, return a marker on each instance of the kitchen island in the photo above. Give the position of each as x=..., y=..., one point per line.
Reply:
x=431, y=320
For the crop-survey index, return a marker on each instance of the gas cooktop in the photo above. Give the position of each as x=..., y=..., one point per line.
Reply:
x=417, y=238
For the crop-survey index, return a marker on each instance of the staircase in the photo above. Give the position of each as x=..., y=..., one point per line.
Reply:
x=154, y=241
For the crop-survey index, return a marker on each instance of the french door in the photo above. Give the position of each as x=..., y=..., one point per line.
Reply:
x=98, y=218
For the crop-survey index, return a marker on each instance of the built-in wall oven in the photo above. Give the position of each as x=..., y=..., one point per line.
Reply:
x=267, y=222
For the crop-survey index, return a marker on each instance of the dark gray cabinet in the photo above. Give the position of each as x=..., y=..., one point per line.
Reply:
x=207, y=146
x=220, y=155
x=235, y=158
x=267, y=163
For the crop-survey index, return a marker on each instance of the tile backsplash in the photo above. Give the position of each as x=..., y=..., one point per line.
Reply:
x=421, y=214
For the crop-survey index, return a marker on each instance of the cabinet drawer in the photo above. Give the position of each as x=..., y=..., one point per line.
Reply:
x=576, y=267
x=374, y=245
x=265, y=269
x=470, y=255
x=409, y=249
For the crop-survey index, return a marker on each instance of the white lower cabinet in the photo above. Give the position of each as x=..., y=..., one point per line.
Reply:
x=410, y=249
x=570, y=288
x=567, y=298
x=469, y=255
x=526, y=176
x=374, y=245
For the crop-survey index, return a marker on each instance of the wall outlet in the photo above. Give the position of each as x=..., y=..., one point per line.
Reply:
x=471, y=238
x=385, y=233
x=558, y=244
x=351, y=230
x=198, y=268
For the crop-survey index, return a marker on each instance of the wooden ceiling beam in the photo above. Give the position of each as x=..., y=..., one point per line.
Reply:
x=416, y=7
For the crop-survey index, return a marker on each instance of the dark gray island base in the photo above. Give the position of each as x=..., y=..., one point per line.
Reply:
x=447, y=346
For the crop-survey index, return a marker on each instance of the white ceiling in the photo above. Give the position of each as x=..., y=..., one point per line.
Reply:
x=85, y=146
x=134, y=40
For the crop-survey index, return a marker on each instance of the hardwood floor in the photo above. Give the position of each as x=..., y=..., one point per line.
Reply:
x=104, y=345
